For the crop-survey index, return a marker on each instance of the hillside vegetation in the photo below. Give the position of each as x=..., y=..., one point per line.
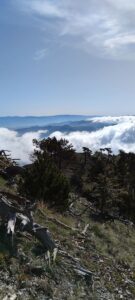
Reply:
x=104, y=179
x=87, y=201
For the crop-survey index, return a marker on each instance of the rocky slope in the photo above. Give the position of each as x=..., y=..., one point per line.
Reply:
x=96, y=260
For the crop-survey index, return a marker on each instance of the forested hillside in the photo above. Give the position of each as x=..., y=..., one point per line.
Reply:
x=104, y=179
x=86, y=200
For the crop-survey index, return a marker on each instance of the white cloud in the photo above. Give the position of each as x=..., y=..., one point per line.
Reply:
x=104, y=27
x=119, y=136
x=20, y=146
x=116, y=43
x=112, y=120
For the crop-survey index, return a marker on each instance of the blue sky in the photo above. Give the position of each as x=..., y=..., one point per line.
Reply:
x=67, y=56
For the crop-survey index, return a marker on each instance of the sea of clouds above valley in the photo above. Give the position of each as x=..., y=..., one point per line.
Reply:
x=120, y=134
x=20, y=146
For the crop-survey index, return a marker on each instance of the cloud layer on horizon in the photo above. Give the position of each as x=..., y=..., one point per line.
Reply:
x=105, y=28
x=118, y=136
x=21, y=147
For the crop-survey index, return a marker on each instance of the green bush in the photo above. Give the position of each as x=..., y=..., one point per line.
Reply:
x=43, y=181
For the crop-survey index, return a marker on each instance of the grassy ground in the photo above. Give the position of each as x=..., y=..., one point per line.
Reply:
x=107, y=249
x=2, y=183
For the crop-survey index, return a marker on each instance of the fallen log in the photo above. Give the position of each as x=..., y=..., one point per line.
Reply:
x=78, y=269
x=83, y=272
x=65, y=254
x=15, y=216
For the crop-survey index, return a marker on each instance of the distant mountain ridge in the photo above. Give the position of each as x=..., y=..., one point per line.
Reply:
x=70, y=126
x=17, y=122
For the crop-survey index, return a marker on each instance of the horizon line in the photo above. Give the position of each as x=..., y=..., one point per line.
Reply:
x=62, y=115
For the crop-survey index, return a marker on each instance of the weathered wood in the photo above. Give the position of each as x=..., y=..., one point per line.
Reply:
x=66, y=254
x=15, y=198
x=11, y=223
x=83, y=272
x=85, y=229
x=43, y=235
x=75, y=265
x=11, y=213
